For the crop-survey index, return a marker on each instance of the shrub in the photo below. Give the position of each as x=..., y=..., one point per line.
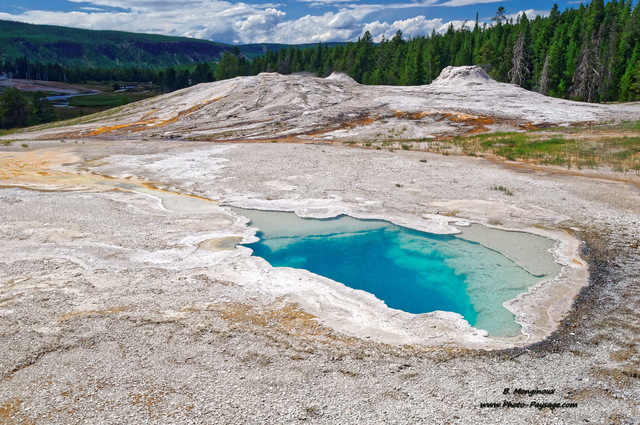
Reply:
x=502, y=189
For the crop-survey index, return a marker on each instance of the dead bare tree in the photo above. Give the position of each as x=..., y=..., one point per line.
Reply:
x=543, y=84
x=587, y=77
x=519, y=70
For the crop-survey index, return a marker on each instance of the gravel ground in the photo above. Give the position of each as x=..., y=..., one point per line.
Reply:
x=111, y=314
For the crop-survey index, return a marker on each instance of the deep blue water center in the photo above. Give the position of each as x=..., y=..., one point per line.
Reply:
x=375, y=261
x=409, y=270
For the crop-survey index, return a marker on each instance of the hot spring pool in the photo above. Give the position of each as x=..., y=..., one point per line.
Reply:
x=409, y=270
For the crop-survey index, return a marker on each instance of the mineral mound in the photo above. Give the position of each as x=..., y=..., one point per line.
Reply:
x=463, y=75
x=296, y=107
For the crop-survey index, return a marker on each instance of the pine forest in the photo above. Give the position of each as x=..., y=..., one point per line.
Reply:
x=590, y=53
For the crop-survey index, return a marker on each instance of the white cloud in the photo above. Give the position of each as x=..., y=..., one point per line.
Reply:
x=142, y=5
x=531, y=13
x=257, y=25
x=325, y=2
x=411, y=27
x=221, y=20
x=119, y=21
x=456, y=3
x=187, y=18
x=312, y=29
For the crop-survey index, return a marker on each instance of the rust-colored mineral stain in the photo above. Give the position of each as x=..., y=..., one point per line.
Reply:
x=36, y=164
x=412, y=115
x=11, y=412
x=358, y=122
x=156, y=401
x=133, y=126
x=289, y=318
x=103, y=312
x=35, y=170
x=152, y=186
x=477, y=124
x=528, y=127
x=147, y=122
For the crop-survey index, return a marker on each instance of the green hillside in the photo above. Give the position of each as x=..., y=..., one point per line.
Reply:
x=104, y=49
x=83, y=48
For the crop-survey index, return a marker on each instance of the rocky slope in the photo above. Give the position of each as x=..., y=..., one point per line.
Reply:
x=274, y=106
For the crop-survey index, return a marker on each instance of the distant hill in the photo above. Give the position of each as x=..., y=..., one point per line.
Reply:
x=253, y=50
x=109, y=49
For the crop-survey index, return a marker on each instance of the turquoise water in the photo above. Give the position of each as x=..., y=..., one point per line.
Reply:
x=409, y=270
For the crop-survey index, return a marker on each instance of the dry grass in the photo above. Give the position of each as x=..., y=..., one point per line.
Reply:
x=289, y=319
x=609, y=147
x=623, y=355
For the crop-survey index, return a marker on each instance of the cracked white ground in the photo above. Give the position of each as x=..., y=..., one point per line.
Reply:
x=123, y=295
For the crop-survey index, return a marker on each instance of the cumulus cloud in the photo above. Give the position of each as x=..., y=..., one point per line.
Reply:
x=120, y=21
x=325, y=2
x=531, y=13
x=193, y=18
x=411, y=27
x=312, y=29
x=224, y=21
x=141, y=5
x=257, y=26
x=457, y=3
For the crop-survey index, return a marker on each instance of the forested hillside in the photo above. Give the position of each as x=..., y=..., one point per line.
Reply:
x=75, y=47
x=591, y=53
x=87, y=48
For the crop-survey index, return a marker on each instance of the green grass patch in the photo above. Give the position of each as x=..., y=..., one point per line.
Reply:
x=9, y=131
x=634, y=125
x=108, y=99
x=592, y=151
x=631, y=143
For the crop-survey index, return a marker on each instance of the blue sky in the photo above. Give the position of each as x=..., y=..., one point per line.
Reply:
x=253, y=21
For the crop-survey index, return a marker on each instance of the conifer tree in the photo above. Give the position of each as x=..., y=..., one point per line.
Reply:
x=228, y=67
x=412, y=71
x=14, y=108
x=364, y=57
x=630, y=82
